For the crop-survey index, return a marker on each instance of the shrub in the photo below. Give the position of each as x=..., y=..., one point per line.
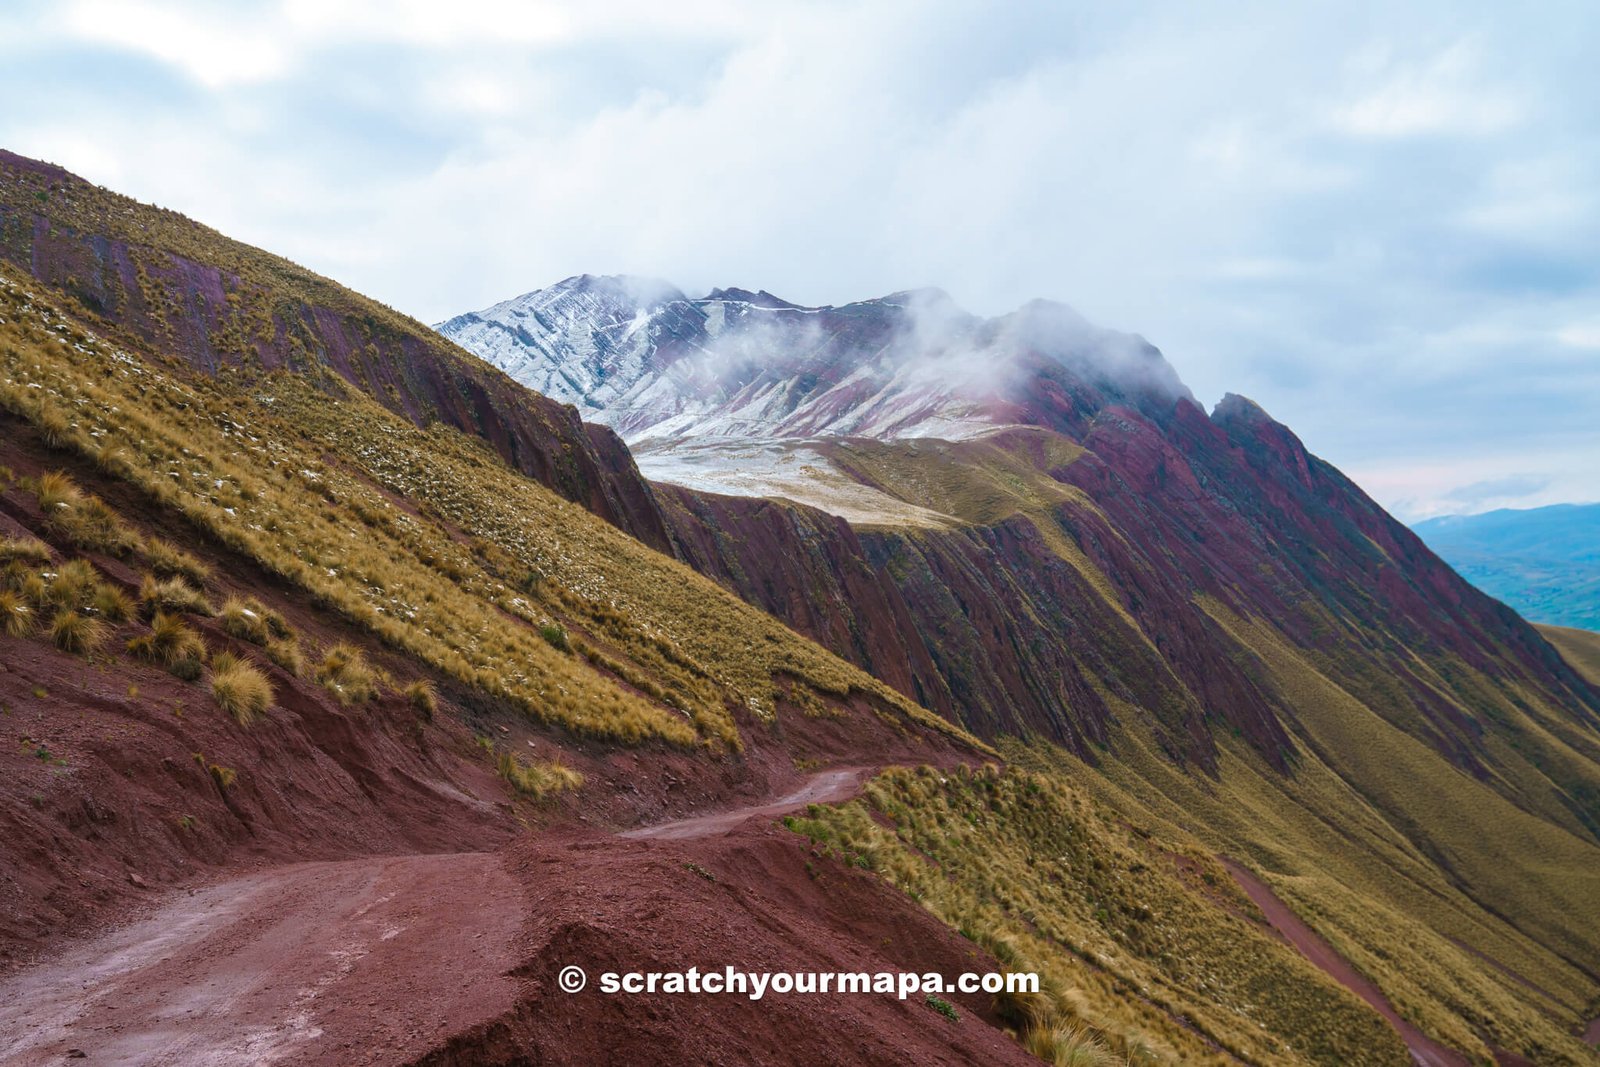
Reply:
x=423, y=698
x=285, y=652
x=943, y=1007
x=536, y=779
x=240, y=688
x=78, y=634
x=16, y=617
x=556, y=635
x=169, y=561
x=172, y=644
x=24, y=549
x=172, y=594
x=345, y=671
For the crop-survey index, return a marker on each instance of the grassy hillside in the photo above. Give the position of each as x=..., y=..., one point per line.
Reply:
x=1148, y=952
x=1489, y=864
x=425, y=537
x=1580, y=647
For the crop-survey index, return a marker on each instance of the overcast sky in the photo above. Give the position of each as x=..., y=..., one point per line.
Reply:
x=1381, y=224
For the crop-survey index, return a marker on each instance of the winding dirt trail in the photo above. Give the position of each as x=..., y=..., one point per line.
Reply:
x=361, y=961
x=1424, y=1050
x=826, y=787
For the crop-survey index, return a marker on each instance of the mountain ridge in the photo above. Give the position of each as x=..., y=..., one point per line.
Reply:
x=638, y=355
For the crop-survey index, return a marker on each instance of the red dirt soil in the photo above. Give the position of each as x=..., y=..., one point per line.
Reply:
x=1424, y=1050
x=309, y=960
x=451, y=959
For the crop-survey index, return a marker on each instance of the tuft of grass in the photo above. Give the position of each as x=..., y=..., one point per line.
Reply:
x=84, y=519
x=16, y=616
x=167, y=560
x=1067, y=1044
x=91, y=523
x=240, y=688
x=78, y=634
x=423, y=698
x=111, y=603
x=24, y=549
x=35, y=591
x=55, y=429
x=536, y=780
x=344, y=670
x=247, y=620
x=74, y=583
x=223, y=776
x=285, y=652
x=56, y=490
x=172, y=595
x=172, y=644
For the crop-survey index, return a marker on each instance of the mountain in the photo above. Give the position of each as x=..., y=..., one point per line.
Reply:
x=358, y=690
x=1065, y=548
x=996, y=476
x=640, y=356
x=1544, y=562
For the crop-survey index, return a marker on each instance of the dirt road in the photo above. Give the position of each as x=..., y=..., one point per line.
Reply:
x=825, y=788
x=371, y=960
x=298, y=963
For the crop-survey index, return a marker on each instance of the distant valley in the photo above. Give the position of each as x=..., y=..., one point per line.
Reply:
x=1544, y=562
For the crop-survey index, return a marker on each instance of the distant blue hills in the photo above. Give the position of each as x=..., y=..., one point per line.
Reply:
x=1544, y=562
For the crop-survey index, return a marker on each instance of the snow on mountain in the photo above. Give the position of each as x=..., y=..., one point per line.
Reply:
x=679, y=377
x=658, y=366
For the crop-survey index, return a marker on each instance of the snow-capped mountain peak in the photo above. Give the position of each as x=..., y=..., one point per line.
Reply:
x=659, y=366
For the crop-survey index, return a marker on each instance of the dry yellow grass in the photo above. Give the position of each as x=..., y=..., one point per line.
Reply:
x=24, y=549
x=16, y=615
x=673, y=652
x=172, y=595
x=539, y=779
x=172, y=644
x=240, y=688
x=1581, y=648
x=1033, y=870
x=78, y=634
x=344, y=671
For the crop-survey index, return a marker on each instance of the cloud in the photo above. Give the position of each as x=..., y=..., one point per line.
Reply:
x=1444, y=94
x=1378, y=220
x=1511, y=487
